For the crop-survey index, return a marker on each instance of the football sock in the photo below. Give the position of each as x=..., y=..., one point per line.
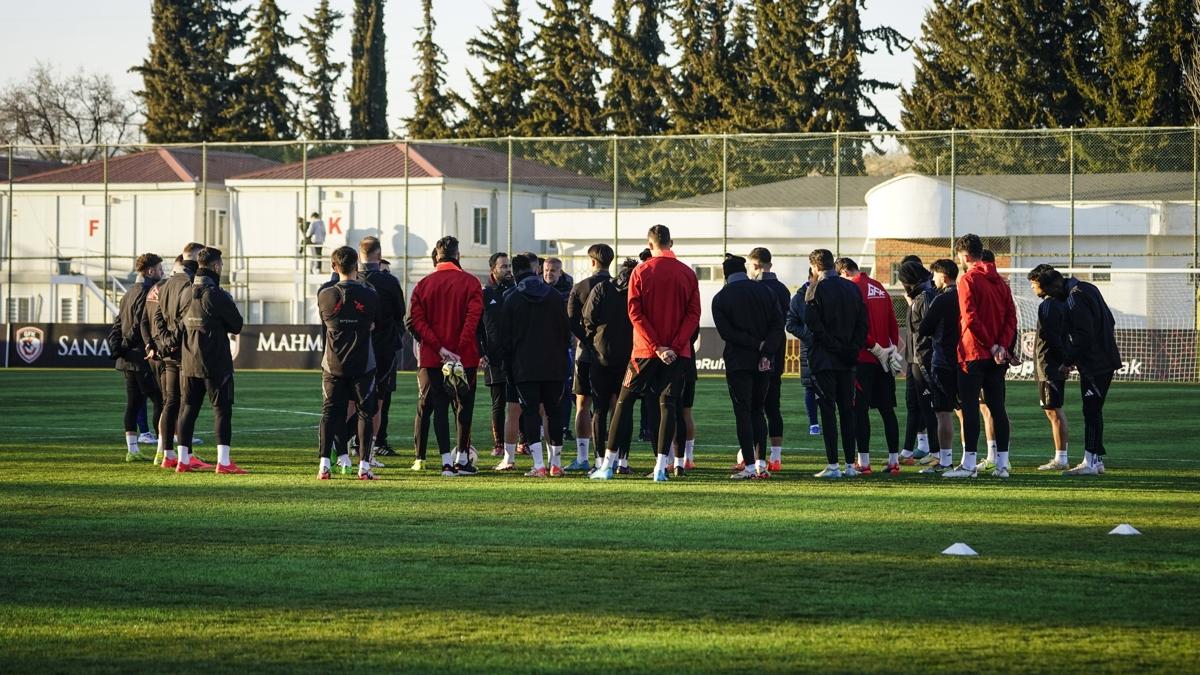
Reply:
x=776, y=453
x=1061, y=455
x=893, y=459
x=510, y=453
x=343, y=460
x=223, y=455
x=1002, y=459
x=741, y=459
x=556, y=456
x=968, y=461
x=831, y=467
x=535, y=451
x=624, y=463
x=991, y=456
x=170, y=453
x=689, y=448
x=183, y=455
x=611, y=457
x=923, y=442
x=162, y=444
x=679, y=462
x=583, y=449
x=660, y=463
x=864, y=459
x=760, y=466
x=448, y=458
x=325, y=464
x=945, y=456
x=364, y=467
x=131, y=443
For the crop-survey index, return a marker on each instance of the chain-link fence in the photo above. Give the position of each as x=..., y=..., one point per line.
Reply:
x=1109, y=199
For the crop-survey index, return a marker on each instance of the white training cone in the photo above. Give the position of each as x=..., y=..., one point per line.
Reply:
x=1125, y=528
x=959, y=549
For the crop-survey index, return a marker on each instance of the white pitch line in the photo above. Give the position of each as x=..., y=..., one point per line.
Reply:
x=271, y=410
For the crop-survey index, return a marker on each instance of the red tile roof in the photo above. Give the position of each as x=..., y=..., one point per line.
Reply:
x=429, y=160
x=161, y=165
x=24, y=166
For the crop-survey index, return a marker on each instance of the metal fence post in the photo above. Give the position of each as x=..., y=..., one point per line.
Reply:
x=724, y=194
x=204, y=192
x=953, y=189
x=837, y=194
x=616, y=192
x=1195, y=210
x=1071, y=231
x=8, y=245
x=304, y=233
x=407, y=145
x=107, y=221
x=511, y=250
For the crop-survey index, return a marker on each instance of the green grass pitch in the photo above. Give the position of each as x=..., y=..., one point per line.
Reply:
x=110, y=567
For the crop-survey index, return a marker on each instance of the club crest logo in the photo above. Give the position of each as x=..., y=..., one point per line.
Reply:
x=29, y=343
x=233, y=346
x=1028, y=344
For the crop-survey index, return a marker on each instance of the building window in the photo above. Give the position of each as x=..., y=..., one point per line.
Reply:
x=708, y=272
x=1094, y=277
x=479, y=232
x=215, y=228
x=20, y=310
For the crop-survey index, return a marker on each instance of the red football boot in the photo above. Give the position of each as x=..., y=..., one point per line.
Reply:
x=230, y=468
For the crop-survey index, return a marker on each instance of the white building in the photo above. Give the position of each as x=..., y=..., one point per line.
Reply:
x=62, y=227
x=447, y=190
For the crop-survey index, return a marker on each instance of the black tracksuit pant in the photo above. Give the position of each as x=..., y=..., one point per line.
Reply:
x=914, y=420
x=172, y=401
x=433, y=404
x=748, y=392
x=139, y=386
x=499, y=407
x=1094, y=390
x=339, y=391
x=220, y=397
x=986, y=376
x=536, y=396
x=835, y=399
x=654, y=380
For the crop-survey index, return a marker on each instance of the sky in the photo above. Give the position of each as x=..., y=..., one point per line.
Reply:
x=110, y=36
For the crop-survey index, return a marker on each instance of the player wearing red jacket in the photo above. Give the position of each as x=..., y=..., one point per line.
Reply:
x=988, y=324
x=444, y=316
x=664, y=308
x=875, y=372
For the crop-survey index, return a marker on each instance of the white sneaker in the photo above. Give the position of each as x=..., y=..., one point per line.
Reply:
x=745, y=474
x=1054, y=465
x=1000, y=472
x=1082, y=469
x=1099, y=465
x=850, y=472
x=148, y=438
x=828, y=473
x=961, y=472
x=376, y=464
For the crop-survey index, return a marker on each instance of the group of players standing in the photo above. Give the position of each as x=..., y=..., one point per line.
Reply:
x=635, y=335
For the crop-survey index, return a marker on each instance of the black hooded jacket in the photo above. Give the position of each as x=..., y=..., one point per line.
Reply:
x=575, y=302
x=211, y=317
x=1048, y=354
x=750, y=321
x=535, y=333
x=837, y=317
x=389, y=323
x=173, y=299
x=606, y=321
x=490, y=342
x=129, y=338
x=1093, y=344
x=940, y=325
x=348, y=309
x=920, y=347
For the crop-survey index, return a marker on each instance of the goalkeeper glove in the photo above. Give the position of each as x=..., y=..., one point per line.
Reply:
x=881, y=353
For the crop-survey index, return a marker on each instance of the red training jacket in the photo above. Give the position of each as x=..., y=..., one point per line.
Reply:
x=987, y=315
x=664, y=306
x=882, y=329
x=444, y=312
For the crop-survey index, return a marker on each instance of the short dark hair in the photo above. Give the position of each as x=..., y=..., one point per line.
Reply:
x=314, y=214
x=191, y=249
x=344, y=259
x=970, y=244
x=369, y=245
x=645, y=255
x=761, y=254
x=1046, y=276
x=912, y=258
x=988, y=255
x=733, y=264
x=147, y=261
x=179, y=260
x=522, y=264
x=821, y=258
x=945, y=266
x=446, y=249
x=209, y=255
x=601, y=253
x=660, y=234
x=911, y=273
x=494, y=257
x=845, y=265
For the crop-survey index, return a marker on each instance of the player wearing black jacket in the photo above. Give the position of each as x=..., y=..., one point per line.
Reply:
x=750, y=321
x=132, y=345
x=837, y=318
x=207, y=362
x=1091, y=348
x=601, y=256
x=350, y=311
x=760, y=268
x=167, y=320
x=389, y=328
x=535, y=330
x=505, y=414
x=940, y=325
x=919, y=292
x=610, y=334
x=1050, y=367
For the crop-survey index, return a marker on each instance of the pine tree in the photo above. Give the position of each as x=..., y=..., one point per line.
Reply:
x=785, y=81
x=265, y=110
x=431, y=104
x=703, y=88
x=943, y=93
x=497, y=106
x=741, y=59
x=213, y=88
x=846, y=92
x=163, y=70
x=368, y=72
x=320, y=81
x=1171, y=27
x=634, y=103
x=1105, y=63
x=566, y=72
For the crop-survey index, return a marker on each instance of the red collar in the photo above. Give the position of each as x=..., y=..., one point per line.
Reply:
x=443, y=266
x=665, y=253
